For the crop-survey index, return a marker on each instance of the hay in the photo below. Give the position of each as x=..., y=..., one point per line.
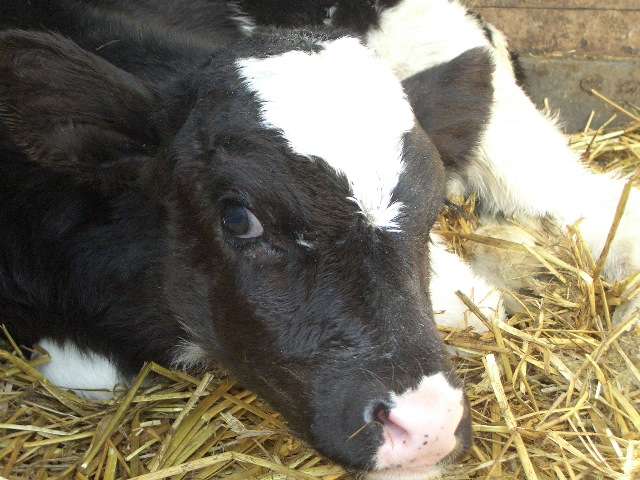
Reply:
x=554, y=390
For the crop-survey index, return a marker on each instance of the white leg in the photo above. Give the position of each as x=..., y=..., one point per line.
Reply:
x=89, y=375
x=419, y=34
x=524, y=167
x=504, y=268
x=451, y=274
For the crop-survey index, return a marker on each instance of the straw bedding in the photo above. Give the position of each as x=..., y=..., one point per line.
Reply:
x=555, y=391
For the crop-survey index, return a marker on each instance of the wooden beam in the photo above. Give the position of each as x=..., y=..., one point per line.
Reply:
x=621, y=5
x=577, y=27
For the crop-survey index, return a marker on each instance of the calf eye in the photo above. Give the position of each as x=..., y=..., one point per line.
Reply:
x=240, y=222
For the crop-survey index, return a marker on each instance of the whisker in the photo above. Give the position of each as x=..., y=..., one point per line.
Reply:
x=358, y=431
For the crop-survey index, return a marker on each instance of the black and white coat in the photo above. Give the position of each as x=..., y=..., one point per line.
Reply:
x=199, y=181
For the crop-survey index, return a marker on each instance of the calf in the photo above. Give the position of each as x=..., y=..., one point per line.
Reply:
x=264, y=202
x=245, y=182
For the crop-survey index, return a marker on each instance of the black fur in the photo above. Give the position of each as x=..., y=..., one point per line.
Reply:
x=452, y=102
x=352, y=15
x=360, y=15
x=286, y=13
x=518, y=69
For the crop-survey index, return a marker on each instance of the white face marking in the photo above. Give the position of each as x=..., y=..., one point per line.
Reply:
x=88, y=374
x=344, y=106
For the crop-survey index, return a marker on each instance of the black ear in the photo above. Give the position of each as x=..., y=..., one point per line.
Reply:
x=61, y=105
x=453, y=103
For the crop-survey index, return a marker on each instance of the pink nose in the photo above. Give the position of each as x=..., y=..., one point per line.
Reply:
x=419, y=429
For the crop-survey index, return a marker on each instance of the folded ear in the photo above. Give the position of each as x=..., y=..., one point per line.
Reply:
x=60, y=104
x=453, y=103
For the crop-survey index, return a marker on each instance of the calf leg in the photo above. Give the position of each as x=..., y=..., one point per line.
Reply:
x=89, y=374
x=450, y=275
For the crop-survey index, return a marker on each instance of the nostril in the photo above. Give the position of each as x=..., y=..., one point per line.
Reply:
x=380, y=412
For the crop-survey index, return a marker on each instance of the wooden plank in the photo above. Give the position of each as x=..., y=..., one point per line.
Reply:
x=632, y=5
x=536, y=27
x=570, y=46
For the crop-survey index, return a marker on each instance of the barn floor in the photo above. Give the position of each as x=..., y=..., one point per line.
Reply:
x=555, y=390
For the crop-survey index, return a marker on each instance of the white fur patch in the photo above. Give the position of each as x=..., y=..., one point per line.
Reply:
x=331, y=11
x=344, y=106
x=307, y=245
x=451, y=274
x=88, y=374
x=420, y=34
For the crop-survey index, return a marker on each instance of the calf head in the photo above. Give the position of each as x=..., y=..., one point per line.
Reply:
x=299, y=195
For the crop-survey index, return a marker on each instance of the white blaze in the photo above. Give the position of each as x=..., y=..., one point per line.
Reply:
x=344, y=106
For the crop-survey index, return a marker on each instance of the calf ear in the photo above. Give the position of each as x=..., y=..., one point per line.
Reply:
x=61, y=105
x=453, y=103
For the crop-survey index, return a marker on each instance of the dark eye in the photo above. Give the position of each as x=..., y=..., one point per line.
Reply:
x=240, y=222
